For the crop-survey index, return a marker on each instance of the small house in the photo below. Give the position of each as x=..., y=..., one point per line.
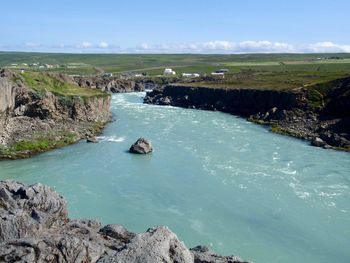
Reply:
x=169, y=72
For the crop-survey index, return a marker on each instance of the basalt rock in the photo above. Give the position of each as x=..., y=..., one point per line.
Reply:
x=297, y=112
x=34, y=227
x=141, y=146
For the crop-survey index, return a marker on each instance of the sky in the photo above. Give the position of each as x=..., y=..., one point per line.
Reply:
x=177, y=26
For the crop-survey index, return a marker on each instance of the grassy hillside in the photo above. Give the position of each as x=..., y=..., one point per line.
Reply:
x=41, y=82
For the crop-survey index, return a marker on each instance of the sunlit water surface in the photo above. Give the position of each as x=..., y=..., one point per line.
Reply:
x=213, y=178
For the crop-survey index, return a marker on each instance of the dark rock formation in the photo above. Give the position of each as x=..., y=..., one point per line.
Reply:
x=141, y=146
x=235, y=101
x=34, y=227
x=92, y=139
x=297, y=113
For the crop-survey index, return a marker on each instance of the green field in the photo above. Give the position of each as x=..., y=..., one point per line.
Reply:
x=281, y=71
x=41, y=82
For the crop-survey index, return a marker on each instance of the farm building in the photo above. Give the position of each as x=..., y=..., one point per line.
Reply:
x=169, y=71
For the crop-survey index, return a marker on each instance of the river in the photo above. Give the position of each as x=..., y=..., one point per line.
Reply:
x=213, y=178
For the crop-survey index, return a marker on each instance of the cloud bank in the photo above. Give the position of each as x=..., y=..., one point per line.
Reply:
x=210, y=47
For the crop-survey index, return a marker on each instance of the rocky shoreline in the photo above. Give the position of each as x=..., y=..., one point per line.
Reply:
x=324, y=120
x=34, y=121
x=34, y=227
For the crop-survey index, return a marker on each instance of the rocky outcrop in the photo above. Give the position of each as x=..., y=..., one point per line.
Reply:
x=44, y=120
x=308, y=113
x=235, y=101
x=113, y=84
x=141, y=146
x=34, y=227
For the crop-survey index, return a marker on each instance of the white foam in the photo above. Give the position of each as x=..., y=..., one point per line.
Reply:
x=112, y=138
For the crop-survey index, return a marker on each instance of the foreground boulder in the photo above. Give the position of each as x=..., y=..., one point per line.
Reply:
x=34, y=227
x=141, y=146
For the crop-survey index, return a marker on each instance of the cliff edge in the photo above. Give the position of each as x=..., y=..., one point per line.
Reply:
x=319, y=113
x=40, y=111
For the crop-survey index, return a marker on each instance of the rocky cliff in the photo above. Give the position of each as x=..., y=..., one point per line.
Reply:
x=34, y=227
x=34, y=119
x=320, y=113
x=235, y=101
x=114, y=84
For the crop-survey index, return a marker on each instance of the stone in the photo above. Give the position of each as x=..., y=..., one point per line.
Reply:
x=118, y=232
x=141, y=146
x=318, y=142
x=92, y=139
x=202, y=254
x=165, y=101
x=158, y=244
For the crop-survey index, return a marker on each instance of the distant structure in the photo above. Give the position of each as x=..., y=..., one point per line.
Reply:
x=107, y=75
x=223, y=70
x=220, y=72
x=190, y=75
x=169, y=72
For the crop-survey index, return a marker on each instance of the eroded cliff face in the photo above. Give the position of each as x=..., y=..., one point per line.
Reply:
x=235, y=101
x=113, y=84
x=42, y=121
x=34, y=227
x=319, y=114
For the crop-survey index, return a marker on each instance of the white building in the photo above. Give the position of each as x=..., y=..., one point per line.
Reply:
x=222, y=74
x=190, y=75
x=169, y=71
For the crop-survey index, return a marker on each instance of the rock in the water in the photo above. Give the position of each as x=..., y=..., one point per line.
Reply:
x=92, y=139
x=318, y=142
x=34, y=227
x=141, y=146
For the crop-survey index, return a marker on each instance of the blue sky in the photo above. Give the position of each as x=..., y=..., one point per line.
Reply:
x=221, y=26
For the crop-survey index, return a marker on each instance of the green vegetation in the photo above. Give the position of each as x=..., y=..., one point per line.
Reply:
x=278, y=129
x=154, y=64
x=40, y=142
x=42, y=82
x=267, y=71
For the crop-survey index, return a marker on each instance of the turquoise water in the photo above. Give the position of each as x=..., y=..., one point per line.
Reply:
x=213, y=178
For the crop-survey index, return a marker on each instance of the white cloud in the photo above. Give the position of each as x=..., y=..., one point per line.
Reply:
x=209, y=47
x=103, y=44
x=32, y=45
x=218, y=47
x=84, y=45
x=323, y=47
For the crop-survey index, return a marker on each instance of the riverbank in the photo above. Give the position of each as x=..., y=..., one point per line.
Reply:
x=319, y=113
x=242, y=194
x=36, y=228
x=40, y=112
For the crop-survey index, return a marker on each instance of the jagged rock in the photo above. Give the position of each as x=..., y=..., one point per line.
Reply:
x=118, y=232
x=156, y=245
x=166, y=101
x=34, y=227
x=202, y=254
x=92, y=139
x=141, y=146
x=318, y=142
